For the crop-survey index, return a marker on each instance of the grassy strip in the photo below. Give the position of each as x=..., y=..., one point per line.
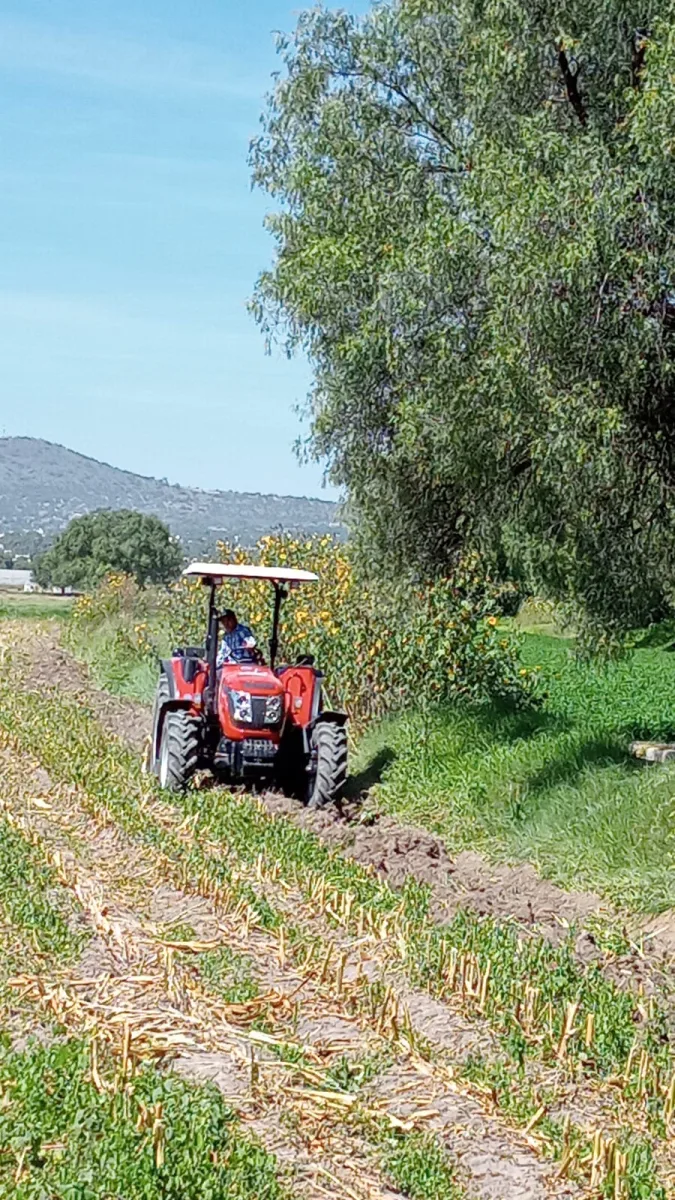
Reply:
x=32, y=898
x=34, y=606
x=67, y=1130
x=557, y=786
x=112, y=658
x=531, y=985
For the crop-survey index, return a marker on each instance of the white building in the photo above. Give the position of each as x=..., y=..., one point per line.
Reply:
x=16, y=581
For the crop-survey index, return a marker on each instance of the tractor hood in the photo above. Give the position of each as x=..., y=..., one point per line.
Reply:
x=246, y=677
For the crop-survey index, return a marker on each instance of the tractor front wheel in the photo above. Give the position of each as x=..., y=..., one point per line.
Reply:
x=179, y=751
x=329, y=746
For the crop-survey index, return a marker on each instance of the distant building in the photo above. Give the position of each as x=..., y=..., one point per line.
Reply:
x=16, y=581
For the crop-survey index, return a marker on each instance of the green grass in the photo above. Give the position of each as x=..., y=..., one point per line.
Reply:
x=33, y=900
x=555, y=786
x=113, y=661
x=62, y=1137
x=34, y=605
x=418, y=1165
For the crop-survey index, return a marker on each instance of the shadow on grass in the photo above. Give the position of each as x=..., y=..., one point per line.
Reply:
x=658, y=637
x=570, y=762
x=501, y=723
x=371, y=774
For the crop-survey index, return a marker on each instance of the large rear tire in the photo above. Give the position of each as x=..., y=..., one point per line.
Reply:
x=329, y=743
x=179, y=751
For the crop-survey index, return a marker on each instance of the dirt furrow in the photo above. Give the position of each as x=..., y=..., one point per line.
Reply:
x=165, y=1012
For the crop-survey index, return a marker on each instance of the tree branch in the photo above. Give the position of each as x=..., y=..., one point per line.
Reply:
x=570, y=77
x=640, y=39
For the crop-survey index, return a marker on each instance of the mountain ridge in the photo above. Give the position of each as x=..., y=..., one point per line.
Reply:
x=43, y=485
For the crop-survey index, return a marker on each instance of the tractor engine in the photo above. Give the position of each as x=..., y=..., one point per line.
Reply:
x=251, y=714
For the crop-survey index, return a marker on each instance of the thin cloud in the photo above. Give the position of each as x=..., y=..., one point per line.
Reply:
x=169, y=67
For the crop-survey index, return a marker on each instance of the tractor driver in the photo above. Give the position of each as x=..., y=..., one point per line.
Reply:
x=238, y=644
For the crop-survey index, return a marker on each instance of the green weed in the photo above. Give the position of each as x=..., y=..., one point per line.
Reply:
x=351, y=1074
x=418, y=1165
x=160, y=1139
x=32, y=898
x=227, y=974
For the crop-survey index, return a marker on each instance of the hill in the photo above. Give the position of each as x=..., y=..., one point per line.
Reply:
x=43, y=485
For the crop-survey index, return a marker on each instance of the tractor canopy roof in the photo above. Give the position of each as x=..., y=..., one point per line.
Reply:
x=217, y=571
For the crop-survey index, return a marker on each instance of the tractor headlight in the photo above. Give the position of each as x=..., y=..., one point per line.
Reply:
x=241, y=706
x=273, y=710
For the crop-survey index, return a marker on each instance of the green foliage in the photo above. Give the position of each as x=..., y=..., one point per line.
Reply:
x=102, y=542
x=351, y=1074
x=60, y=1136
x=31, y=899
x=420, y=1167
x=557, y=786
x=474, y=232
x=228, y=974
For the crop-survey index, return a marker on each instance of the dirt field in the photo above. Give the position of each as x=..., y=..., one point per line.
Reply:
x=460, y=1015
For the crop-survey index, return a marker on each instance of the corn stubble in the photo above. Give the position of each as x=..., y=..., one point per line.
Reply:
x=352, y=947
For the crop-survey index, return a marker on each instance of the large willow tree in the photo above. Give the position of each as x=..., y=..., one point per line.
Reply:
x=474, y=206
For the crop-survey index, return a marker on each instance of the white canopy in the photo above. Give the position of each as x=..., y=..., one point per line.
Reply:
x=250, y=571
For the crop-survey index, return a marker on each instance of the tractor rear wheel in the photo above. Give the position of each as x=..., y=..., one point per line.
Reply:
x=329, y=744
x=179, y=751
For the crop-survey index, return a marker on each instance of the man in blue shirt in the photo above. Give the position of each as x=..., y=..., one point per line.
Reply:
x=238, y=644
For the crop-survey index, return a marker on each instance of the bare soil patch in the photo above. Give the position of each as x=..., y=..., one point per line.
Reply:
x=49, y=665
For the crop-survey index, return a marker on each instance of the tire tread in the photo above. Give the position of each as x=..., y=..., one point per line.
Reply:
x=330, y=741
x=183, y=733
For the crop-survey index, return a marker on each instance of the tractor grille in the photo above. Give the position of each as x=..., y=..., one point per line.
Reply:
x=258, y=749
x=258, y=708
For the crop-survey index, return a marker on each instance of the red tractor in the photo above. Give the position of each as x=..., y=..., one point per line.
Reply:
x=247, y=721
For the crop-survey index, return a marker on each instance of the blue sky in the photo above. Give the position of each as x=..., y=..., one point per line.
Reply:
x=130, y=239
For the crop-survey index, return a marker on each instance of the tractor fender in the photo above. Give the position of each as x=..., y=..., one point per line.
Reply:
x=166, y=669
x=173, y=702
x=329, y=716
